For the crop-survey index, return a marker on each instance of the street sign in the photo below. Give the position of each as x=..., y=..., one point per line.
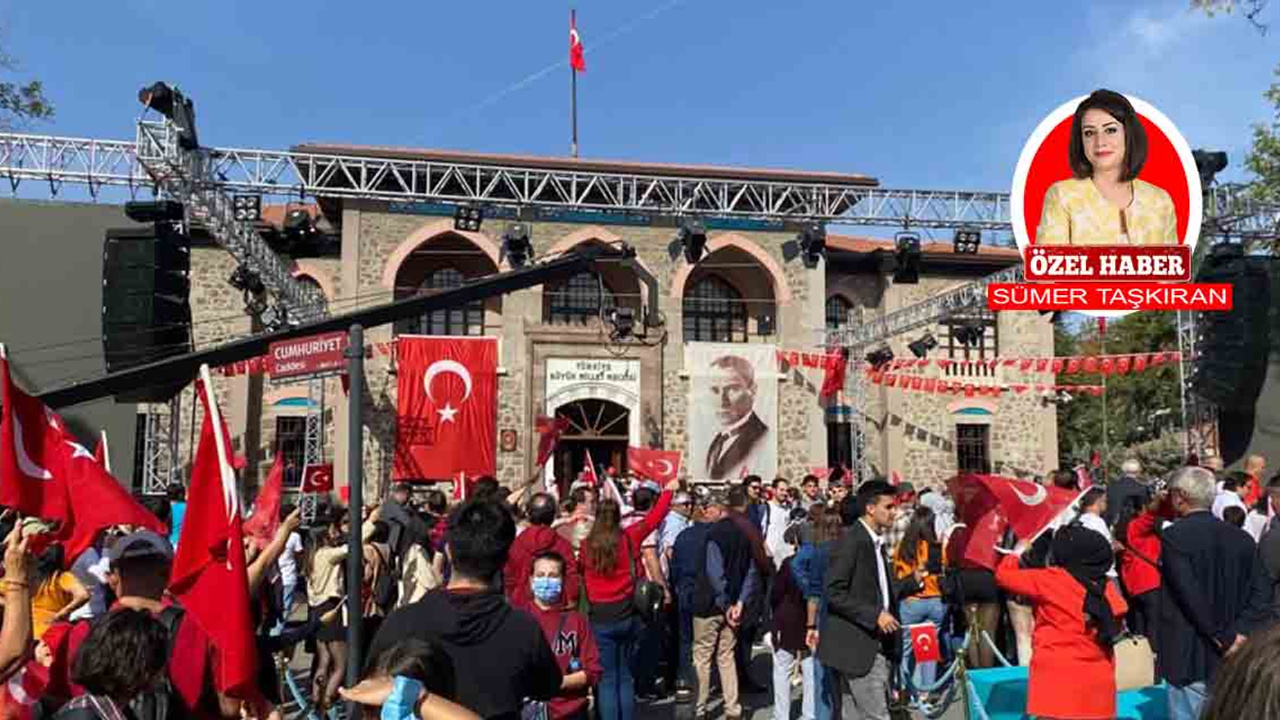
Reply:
x=307, y=357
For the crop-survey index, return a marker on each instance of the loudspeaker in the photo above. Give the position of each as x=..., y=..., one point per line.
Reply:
x=146, y=313
x=1232, y=346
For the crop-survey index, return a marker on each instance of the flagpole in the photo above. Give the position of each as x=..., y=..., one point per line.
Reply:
x=573, y=84
x=355, y=510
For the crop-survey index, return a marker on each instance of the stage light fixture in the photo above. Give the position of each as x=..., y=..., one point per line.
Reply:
x=967, y=241
x=920, y=348
x=693, y=238
x=879, y=357
x=516, y=244
x=969, y=334
x=247, y=208
x=813, y=242
x=171, y=103
x=623, y=320
x=1209, y=163
x=764, y=325
x=154, y=211
x=247, y=281
x=907, y=257
x=468, y=218
x=298, y=222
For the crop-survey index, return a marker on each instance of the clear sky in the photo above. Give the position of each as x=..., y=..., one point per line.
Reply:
x=920, y=95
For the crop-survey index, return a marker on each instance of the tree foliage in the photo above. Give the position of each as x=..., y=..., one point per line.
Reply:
x=20, y=103
x=1140, y=407
x=1250, y=9
x=1263, y=159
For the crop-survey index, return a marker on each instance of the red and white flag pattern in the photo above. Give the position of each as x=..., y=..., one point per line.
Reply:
x=661, y=466
x=924, y=642
x=577, y=60
x=447, y=407
x=210, y=575
x=102, y=453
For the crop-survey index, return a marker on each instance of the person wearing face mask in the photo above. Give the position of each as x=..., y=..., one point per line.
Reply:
x=569, y=634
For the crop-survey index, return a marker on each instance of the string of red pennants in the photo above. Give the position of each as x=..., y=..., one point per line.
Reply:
x=952, y=387
x=1104, y=364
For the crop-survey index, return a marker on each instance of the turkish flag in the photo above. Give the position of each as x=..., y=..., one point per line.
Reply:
x=549, y=432
x=1029, y=507
x=447, y=413
x=589, y=471
x=974, y=541
x=29, y=453
x=924, y=642
x=264, y=521
x=210, y=576
x=102, y=453
x=833, y=379
x=576, y=59
x=317, y=478
x=45, y=472
x=661, y=466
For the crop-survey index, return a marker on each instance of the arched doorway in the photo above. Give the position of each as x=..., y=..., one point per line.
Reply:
x=596, y=426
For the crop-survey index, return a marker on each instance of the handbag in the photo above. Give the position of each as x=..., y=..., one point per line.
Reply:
x=1135, y=663
x=647, y=596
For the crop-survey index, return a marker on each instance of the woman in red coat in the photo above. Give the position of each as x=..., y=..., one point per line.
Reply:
x=1077, y=618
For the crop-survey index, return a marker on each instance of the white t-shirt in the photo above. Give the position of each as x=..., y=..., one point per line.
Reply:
x=779, y=518
x=1226, y=499
x=288, y=562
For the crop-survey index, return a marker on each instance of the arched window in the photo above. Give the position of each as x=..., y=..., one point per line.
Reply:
x=465, y=320
x=714, y=312
x=577, y=299
x=838, y=309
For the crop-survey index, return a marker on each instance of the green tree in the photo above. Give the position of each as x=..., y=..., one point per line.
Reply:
x=1140, y=407
x=1250, y=9
x=20, y=103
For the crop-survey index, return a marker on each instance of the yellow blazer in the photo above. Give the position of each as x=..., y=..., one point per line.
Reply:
x=1075, y=213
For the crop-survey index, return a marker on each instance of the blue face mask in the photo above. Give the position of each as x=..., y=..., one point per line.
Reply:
x=547, y=589
x=403, y=702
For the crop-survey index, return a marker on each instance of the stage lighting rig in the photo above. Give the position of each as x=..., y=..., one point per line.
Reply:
x=623, y=321
x=880, y=357
x=969, y=333
x=693, y=239
x=967, y=241
x=247, y=281
x=247, y=208
x=907, y=256
x=171, y=103
x=1209, y=163
x=813, y=242
x=516, y=244
x=467, y=218
x=920, y=348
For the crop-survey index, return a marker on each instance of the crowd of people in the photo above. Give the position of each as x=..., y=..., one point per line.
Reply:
x=520, y=604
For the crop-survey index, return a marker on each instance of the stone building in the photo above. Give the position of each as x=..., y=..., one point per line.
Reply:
x=555, y=356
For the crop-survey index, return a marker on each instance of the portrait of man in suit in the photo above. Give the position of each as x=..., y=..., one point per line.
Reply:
x=741, y=434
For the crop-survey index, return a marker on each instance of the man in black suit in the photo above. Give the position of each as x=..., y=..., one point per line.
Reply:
x=742, y=432
x=1215, y=592
x=860, y=634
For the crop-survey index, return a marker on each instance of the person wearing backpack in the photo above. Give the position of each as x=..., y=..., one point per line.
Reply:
x=140, y=565
x=117, y=665
x=569, y=634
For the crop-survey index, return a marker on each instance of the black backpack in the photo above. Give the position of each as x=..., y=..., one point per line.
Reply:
x=162, y=703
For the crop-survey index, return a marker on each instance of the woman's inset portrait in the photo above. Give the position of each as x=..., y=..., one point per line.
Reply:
x=1105, y=203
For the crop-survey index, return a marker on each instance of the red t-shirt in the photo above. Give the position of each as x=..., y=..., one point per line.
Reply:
x=573, y=639
x=188, y=666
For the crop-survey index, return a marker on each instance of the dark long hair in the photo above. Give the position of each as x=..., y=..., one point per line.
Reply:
x=48, y=565
x=601, y=544
x=826, y=523
x=921, y=528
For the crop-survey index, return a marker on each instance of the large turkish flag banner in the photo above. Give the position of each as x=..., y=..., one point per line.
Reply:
x=446, y=420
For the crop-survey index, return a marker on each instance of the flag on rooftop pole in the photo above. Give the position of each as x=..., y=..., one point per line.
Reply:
x=577, y=64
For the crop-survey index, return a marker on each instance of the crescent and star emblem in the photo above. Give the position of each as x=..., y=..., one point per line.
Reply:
x=664, y=466
x=924, y=641
x=573, y=37
x=441, y=367
x=25, y=463
x=1034, y=498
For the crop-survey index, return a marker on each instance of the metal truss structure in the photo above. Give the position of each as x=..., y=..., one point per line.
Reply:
x=160, y=446
x=309, y=503
x=102, y=163
x=204, y=178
